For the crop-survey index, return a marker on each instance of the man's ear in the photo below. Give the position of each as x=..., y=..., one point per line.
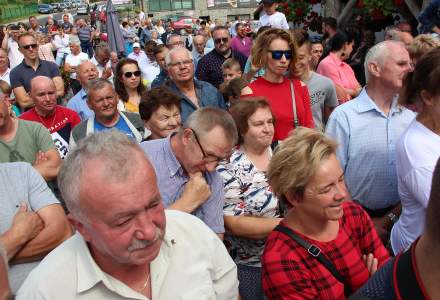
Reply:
x=186, y=136
x=79, y=226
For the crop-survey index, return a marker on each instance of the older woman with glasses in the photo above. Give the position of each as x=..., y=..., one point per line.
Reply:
x=128, y=84
x=326, y=247
x=250, y=208
x=289, y=99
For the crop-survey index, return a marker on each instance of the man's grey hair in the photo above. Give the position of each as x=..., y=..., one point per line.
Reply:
x=378, y=53
x=174, y=50
x=205, y=119
x=98, y=84
x=102, y=48
x=172, y=36
x=111, y=148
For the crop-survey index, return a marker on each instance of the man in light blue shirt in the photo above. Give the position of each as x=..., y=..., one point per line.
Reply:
x=367, y=129
x=185, y=165
x=86, y=71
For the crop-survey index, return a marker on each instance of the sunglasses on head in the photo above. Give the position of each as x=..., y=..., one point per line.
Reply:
x=27, y=47
x=278, y=54
x=135, y=73
x=224, y=40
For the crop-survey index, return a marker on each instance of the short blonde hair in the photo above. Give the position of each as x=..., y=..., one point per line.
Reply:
x=261, y=46
x=296, y=160
x=422, y=44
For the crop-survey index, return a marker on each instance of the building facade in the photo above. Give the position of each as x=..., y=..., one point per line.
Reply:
x=224, y=10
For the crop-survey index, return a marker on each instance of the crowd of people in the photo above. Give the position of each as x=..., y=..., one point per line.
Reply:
x=217, y=162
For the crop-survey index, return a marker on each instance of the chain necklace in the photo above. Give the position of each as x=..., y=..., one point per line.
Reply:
x=146, y=283
x=44, y=122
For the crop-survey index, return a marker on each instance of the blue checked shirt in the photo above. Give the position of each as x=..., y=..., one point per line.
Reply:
x=171, y=179
x=367, y=148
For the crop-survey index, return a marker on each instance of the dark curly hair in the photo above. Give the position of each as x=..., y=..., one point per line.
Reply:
x=119, y=84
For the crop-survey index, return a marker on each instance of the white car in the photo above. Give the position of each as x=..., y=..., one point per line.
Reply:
x=82, y=9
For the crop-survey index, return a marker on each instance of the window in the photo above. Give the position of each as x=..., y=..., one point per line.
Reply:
x=157, y=5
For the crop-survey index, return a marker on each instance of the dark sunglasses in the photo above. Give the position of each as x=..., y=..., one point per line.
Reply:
x=27, y=47
x=135, y=73
x=224, y=40
x=277, y=54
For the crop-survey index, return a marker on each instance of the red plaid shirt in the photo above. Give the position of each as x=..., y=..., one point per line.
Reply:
x=290, y=272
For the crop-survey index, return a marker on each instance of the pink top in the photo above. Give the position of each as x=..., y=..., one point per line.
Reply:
x=339, y=72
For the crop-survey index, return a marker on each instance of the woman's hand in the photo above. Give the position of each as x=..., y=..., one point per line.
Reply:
x=371, y=263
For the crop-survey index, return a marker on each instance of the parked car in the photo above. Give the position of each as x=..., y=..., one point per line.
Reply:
x=56, y=6
x=82, y=9
x=183, y=23
x=45, y=8
x=63, y=6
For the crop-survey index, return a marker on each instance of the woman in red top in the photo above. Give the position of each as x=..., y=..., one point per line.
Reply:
x=306, y=176
x=275, y=51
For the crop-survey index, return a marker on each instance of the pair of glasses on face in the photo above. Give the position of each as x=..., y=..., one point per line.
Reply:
x=130, y=74
x=278, y=54
x=33, y=46
x=221, y=40
x=209, y=158
x=183, y=63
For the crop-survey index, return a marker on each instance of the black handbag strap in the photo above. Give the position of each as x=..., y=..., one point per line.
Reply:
x=316, y=252
x=405, y=281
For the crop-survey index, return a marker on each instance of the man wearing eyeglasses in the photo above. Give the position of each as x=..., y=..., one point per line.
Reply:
x=31, y=67
x=193, y=92
x=103, y=101
x=185, y=165
x=209, y=67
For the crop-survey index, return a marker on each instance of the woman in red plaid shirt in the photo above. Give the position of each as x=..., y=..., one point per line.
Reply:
x=305, y=174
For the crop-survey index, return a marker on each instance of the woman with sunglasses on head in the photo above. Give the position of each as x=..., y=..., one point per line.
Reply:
x=128, y=84
x=250, y=208
x=334, y=67
x=289, y=99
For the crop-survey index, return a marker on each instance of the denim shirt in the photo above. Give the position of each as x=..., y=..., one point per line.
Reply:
x=207, y=94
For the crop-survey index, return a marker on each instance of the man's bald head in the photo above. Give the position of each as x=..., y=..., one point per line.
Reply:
x=199, y=42
x=44, y=94
x=41, y=82
x=86, y=71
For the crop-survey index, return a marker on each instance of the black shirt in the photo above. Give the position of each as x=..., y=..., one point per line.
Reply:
x=22, y=74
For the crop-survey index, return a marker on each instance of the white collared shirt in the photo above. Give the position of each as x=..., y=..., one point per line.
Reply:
x=5, y=76
x=192, y=264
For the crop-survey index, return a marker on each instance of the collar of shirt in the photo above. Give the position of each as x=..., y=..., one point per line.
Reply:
x=173, y=164
x=27, y=66
x=365, y=103
x=336, y=59
x=90, y=274
x=83, y=94
x=8, y=70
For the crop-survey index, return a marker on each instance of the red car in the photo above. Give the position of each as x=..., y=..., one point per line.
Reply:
x=184, y=23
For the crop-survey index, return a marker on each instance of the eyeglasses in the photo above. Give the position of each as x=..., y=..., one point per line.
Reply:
x=210, y=158
x=27, y=47
x=130, y=74
x=278, y=54
x=183, y=63
x=221, y=40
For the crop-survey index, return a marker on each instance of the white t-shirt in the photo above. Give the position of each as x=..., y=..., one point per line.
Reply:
x=101, y=68
x=5, y=76
x=275, y=20
x=76, y=60
x=417, y=153
x=14, y=55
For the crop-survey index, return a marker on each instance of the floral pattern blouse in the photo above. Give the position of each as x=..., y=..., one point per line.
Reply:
x=247, y=193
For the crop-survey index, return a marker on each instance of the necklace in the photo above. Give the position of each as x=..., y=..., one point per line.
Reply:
x=146, y=283
x=44, y=122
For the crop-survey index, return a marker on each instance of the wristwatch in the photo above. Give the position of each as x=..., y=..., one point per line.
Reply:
x=393, y=218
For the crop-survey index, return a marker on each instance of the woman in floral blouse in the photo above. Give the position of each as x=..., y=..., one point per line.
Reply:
x=250, y=209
